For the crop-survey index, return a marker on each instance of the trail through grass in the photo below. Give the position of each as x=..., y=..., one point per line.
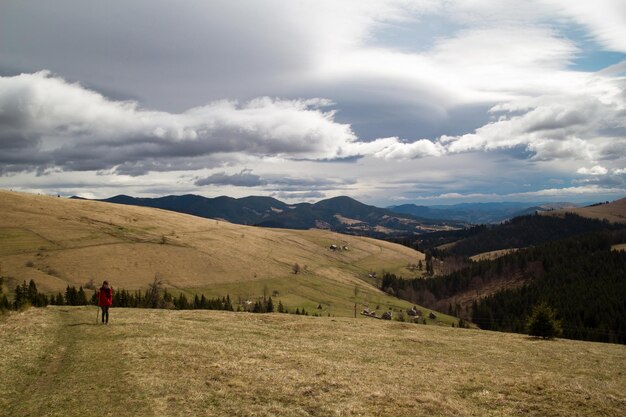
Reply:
x=58, y=362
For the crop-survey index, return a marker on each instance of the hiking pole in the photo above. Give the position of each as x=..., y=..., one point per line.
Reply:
x=97, y=309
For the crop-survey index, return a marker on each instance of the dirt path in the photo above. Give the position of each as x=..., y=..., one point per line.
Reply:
x=75, y=365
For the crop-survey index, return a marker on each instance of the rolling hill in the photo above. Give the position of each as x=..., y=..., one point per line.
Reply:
x=340, y=214
x=58, y=241
x=614, y=211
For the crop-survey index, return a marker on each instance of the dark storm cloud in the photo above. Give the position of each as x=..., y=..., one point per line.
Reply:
x=245, y=178
x=67, y=126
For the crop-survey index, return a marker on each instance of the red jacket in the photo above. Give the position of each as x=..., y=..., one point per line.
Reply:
x=105, y=297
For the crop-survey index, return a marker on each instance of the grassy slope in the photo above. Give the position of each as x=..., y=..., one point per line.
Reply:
x=58, y=242
x=613, y=212
x=159, y=362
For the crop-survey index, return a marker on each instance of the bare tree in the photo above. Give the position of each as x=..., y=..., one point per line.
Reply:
x=154, y=292
x=90, y=285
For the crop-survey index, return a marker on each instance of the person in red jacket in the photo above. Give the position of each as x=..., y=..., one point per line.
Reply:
x=105, y=299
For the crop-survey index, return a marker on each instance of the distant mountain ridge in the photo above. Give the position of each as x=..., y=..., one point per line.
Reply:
x=341, y=214
x=478, y=213
x=247, y=210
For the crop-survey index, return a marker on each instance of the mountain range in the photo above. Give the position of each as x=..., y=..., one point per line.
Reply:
x=340, y=214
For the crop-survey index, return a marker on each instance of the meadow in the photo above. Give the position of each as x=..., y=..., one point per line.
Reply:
x=57, y=361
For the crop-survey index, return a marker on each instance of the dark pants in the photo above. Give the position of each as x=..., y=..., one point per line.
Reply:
x=105, y=313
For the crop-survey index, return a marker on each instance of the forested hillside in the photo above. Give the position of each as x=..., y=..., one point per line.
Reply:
x=582, y=278
x=519, y=232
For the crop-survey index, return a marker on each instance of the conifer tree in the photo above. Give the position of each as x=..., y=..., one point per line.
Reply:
x=70, y=295
x=31, y=292
x=182, y=303
x=543, y=323
x=229, y=304
x=81, y=297
x=269, y=308
x=4, y=301
x=20, y=299
x=59, y=300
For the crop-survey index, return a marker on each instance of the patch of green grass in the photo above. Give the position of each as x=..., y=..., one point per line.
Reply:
x=309, y=291
x=58, y=362
x=16, y=240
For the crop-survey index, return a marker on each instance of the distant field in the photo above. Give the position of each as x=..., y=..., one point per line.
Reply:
x=621, y=246
x=491, y=255
x=59, y=242
x=58, y=362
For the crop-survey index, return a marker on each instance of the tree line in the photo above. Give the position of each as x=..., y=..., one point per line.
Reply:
x=27, y=295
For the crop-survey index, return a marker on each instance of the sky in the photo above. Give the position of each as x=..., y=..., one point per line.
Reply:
x=387, y=101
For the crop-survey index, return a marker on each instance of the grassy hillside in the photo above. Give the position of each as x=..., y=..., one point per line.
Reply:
x=58, y=362
x=58, y=242
x=614, y=211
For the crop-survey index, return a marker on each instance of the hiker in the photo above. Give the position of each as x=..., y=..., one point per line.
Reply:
x=105, y=299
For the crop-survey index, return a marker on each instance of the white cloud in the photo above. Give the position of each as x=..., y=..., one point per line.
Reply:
x=595, y=170
x=418, y=149
x=564, y=126
x=571, y=191
x=589, y=190
x=49, y=122
x=605, y=19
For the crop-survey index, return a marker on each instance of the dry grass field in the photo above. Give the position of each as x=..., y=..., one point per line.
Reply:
x=58, y=241
x=495, y=254
x=614, y=212
x=57, y=362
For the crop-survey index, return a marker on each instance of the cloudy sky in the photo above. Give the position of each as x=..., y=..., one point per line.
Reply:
x=431, y=101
